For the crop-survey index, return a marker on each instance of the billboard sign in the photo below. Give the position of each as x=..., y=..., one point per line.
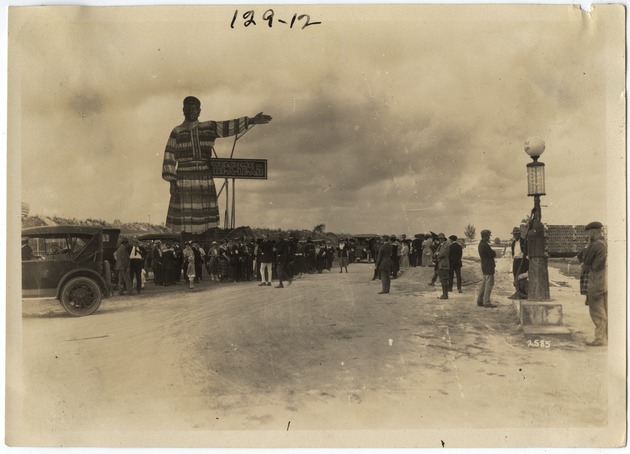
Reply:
x=252, y=169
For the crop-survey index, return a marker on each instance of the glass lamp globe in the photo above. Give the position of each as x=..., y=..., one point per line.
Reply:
x=534, y=148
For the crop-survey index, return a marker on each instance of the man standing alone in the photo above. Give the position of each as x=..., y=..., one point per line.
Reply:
x=384, y=263
x=520, y=263
x=282, y=260
x=122, y=267
x=594, y=267
x=442, y=255
x=455, y=264
x=265, y=253
x=487, y=255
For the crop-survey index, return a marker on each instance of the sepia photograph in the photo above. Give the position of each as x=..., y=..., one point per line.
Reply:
x=316, y=226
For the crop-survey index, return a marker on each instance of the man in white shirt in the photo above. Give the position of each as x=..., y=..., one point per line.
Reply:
x=136, y=260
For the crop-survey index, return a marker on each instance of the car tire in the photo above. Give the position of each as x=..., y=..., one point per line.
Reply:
x=81, y=296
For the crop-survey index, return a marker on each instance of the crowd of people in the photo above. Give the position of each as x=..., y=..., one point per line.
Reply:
x=281, y=260
x=230, y=260
x=444, y=255
x=275, y=259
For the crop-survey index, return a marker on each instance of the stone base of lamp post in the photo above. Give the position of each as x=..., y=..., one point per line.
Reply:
x=538, y=317
x=539, y=314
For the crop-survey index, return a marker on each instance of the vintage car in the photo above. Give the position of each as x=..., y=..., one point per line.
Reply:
x=362, y=245
x=67, y=263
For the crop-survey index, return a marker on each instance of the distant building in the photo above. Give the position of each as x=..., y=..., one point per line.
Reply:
x=566, y=240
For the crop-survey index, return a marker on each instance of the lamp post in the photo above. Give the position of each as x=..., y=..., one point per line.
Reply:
x=538, y=288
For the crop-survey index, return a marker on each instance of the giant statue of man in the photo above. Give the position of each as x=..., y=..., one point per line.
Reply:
x=193, y=207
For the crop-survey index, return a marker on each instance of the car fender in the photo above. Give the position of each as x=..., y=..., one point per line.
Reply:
x=87, y=273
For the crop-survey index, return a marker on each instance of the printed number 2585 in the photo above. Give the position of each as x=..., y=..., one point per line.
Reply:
x=539, y=343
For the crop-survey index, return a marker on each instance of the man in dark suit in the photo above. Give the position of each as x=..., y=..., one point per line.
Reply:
x=416, y=250
x=384, y=263
x=282, y=260
x=156, y=262
x=396, y=247
x=455, y=264
x=488, y=265
x=265, y=255
x=442, y=256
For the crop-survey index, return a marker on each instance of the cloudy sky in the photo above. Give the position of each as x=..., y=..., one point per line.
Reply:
x=386, y=119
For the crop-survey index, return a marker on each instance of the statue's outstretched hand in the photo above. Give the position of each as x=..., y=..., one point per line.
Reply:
x=261, y=119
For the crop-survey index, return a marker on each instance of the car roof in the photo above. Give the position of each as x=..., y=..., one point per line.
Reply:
x=61, y=229
x=160, y=236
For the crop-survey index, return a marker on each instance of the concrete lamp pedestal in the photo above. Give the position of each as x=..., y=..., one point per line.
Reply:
x=542, y=317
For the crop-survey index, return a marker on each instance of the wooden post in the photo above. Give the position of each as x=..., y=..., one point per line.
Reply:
x=233, y=220
x=227, y=199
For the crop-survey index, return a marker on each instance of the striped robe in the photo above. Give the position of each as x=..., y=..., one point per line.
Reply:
x=193, y=208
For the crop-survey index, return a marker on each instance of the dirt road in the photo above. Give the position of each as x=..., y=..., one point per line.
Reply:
x=326, y=352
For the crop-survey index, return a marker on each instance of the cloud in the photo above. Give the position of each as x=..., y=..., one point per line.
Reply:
x=379, y=124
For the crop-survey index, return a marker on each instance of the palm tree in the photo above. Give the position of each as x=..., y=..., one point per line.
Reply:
x=319, y=228
x=470, y=231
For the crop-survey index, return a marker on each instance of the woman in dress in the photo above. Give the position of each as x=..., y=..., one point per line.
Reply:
x=404, y=255
x=169, y=264
x=343, y=252
x=427, y=252
x=224, y=262
x=212, y=265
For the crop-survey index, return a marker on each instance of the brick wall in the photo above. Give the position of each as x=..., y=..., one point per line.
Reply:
x=566, y=240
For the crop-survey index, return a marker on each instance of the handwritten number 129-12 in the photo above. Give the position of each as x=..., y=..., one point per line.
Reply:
x=269, y=16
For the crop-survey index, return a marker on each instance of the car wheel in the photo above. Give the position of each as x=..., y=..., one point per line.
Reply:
x=81, y=296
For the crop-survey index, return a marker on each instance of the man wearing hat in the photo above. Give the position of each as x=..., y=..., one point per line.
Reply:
x=442, y=254
x=396, y=250
x=455, y=263
x=156, y=262
x=594, y=269
x=265, y=254
x=416, y=250
x=122, y=267
x=520, y=263
x=384, y=263
x=200, y=259
x=487, y=255
x=193, y=206
x=281, y=250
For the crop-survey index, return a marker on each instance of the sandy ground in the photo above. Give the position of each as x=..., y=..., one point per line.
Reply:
x=326, y=352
